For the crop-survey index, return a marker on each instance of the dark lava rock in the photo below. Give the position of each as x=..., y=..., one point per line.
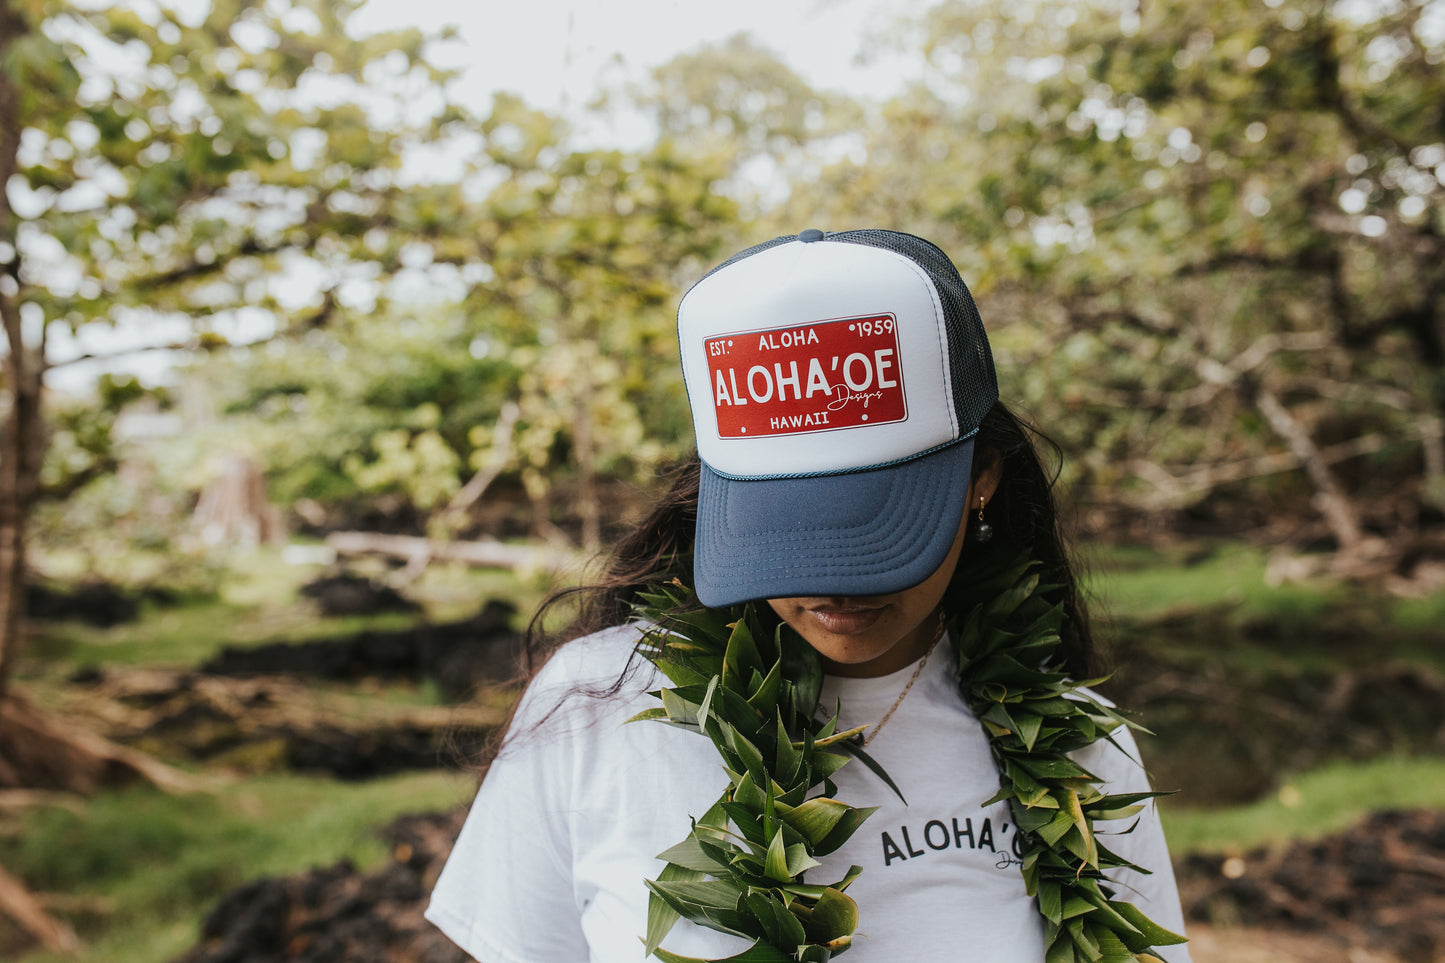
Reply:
x=1380, y=883
x=86, y=675
x=339, y=914
x=268, y=723
x=260, y=739
x=347, y=594
x=379, y=752
x=100, y=604
x=458, y=655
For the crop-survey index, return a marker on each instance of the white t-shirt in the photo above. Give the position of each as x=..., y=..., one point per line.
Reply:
x=550, y=865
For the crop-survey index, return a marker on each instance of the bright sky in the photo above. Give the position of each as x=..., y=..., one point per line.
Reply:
x=555, y=52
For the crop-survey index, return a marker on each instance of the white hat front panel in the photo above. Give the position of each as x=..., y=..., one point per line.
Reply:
x=813, y=357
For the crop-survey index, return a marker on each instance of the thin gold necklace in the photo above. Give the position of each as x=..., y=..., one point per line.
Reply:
x=917, y=671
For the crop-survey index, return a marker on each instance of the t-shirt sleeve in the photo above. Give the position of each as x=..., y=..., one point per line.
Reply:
x=506, y=893
x=1154, y=892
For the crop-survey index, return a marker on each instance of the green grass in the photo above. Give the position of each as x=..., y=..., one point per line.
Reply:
x=136, y=870
x=190, y=634
x=150, y=865
x=452, y=591
x=1314, y=804
x=1427, y=613
x=1145, y=583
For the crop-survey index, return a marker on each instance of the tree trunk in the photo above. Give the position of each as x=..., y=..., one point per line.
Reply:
x=23, y=373
x=19, y=466
x=234, y=510
x=14, y=506
x=484, y=553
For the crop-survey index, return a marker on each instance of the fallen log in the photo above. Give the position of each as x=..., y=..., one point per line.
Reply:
x=273, y=722
x=483, y=553
x=20, y=800
x=39, y=751
x=20, y=905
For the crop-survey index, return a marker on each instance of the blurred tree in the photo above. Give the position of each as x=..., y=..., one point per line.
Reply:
x=736, y=101
x=1209, y=236
x=588, y=250
x=541, y=345
x=233, y=174
x=340, y=414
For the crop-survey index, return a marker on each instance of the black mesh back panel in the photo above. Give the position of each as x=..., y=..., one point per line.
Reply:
x=975, y=388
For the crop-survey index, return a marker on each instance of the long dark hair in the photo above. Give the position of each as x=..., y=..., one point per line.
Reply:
x=1023, y=513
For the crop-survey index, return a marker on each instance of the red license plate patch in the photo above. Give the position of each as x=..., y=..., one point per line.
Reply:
x=808, y=377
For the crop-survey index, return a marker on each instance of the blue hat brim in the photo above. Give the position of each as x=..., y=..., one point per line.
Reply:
x=869, y=532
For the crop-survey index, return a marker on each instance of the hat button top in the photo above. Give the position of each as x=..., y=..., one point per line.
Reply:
x=810, y=235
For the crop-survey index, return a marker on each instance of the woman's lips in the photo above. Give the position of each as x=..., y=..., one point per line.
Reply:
x=845, y=619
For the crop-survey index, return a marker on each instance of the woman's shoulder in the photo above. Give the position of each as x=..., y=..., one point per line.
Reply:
x=600, y=658
x=587, y=679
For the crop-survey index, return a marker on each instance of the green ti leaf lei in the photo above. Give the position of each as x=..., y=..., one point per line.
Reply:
x=754, y=694
x=1007, y=640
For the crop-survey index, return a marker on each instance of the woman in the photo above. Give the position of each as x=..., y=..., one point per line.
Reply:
x=893, y=754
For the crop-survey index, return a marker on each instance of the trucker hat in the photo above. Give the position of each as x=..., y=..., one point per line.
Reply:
x=837, y=381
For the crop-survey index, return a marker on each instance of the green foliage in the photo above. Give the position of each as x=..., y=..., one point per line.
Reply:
x=1128, y=198
x=734, y=91
x=82, y=445
x=192, y=171
x=342, y=411
x=549, y=283
x=131, y=528
x=421, y=464
x=753, y=694
x=737, y=102
x=189, y=181
x=586, y=251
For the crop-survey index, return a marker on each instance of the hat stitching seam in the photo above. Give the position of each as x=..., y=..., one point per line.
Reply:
x=845, y=471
